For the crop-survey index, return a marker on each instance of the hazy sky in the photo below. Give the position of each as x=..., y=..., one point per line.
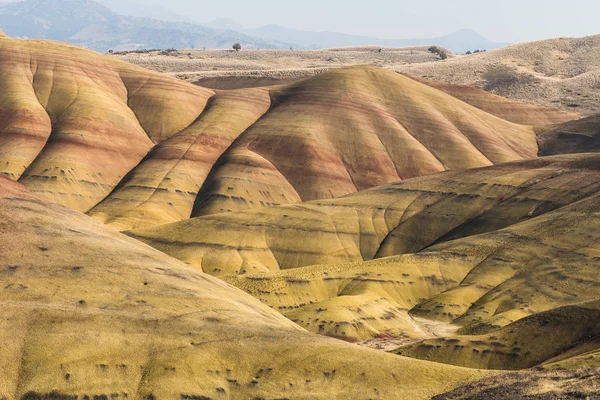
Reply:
x=499, y=20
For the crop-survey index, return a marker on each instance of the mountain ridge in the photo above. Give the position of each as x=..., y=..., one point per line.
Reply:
x=90, y=24
x=105, y=29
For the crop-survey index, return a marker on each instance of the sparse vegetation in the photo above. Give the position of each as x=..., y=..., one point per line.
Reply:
x=442, y=53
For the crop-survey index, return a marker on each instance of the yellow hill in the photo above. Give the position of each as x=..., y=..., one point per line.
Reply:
x=547, y=337
x=163, y=187
x=75, y=122
x=479, y=248
x=551, y=73
x=137, y=148
x=404, y=217
x=352, y=129
x=89, y=312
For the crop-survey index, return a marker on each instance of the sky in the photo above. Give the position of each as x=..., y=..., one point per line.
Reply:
x=499, y=20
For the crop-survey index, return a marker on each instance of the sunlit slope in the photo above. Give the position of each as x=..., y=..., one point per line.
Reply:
x=404, y=217
x=513, y=256
x=505, y=108
x=478, y=284
x=550, y=336
x=75, y=122
x=351, y=129
x=579, y=136
x=361, y=300
x=164, y=186
x=139, y=148
x=87, y=311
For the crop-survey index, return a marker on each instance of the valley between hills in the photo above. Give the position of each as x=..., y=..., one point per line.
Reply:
x=355, y=232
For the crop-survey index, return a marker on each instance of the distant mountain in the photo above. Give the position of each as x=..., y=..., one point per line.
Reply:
x=458, y=42
x=90, y=24
x=125, y=25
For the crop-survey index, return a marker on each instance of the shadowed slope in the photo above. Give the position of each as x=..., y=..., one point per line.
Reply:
x=89, y=312
x=532, y=385
x=352, y=129
x=404, y=217
x=579, y=136
x=75, y=122
x=527, y=268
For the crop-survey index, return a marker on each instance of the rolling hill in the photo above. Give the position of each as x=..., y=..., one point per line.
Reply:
x=136, y=148
x=555, y=72
x=358, y=204
x=89, y=312
x=480, y=248
x=74, y=122
x=400, y=218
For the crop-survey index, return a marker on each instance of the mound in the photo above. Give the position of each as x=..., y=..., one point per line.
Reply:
x=74, y=122
x=163, y=187
x=556, y=72
x=404, y=217
x=579, y=136
x=89, y=312
x=137, y=148
x=489, y=250
x=349, y=130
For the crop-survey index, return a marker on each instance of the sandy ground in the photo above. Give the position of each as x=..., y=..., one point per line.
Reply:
x=224, y=69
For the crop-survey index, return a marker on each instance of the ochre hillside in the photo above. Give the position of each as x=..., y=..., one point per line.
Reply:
x=74, y=122
x=506, y=289
x=455, y=229
x=404, y=217
x=164, y=186
x=478, y=248
x=88, y=312
x=137, y=148
x=547, y=337
x=306, y=147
